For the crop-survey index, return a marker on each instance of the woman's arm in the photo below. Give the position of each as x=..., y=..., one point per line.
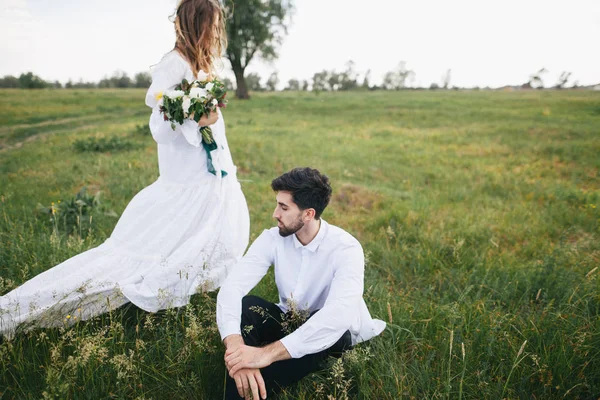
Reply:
x=169, y=72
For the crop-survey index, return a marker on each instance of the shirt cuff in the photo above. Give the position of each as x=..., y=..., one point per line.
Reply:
x=230, y=329
x=292, y=345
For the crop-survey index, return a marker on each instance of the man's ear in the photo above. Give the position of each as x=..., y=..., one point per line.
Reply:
x=310, y=214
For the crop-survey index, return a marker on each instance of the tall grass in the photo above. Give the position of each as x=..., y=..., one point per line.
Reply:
x=479, y=213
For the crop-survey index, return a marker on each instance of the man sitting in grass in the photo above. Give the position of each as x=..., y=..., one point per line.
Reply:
x=319, y=272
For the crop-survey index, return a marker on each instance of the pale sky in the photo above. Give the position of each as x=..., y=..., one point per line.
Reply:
x=484, y=43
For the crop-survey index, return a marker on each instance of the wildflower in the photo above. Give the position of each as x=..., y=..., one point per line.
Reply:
x=68, y=317
x=158, y=95
x=247, y=329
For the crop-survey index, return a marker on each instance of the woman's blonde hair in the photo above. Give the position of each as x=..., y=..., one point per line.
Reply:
x=201, y=36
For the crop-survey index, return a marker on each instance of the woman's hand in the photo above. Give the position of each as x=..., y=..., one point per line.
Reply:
x=209, y=119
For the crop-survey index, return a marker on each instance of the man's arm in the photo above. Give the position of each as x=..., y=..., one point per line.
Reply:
x=244, y=276
x=340, y=310
x=323, y=329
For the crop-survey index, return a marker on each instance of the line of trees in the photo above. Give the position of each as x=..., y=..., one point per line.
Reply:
x=536, y=80
x=326, y=80
x=119, y=79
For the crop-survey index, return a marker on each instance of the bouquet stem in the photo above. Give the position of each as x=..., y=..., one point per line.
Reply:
x=207, y=136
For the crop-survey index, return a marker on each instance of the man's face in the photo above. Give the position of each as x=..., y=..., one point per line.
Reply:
x=288, y=215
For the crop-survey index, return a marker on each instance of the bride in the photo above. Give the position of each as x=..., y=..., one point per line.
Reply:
x=177, y=236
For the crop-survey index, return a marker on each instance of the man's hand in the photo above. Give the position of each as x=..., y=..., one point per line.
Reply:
x=245, y=357
x=233, y=341
x=250, y=381
x=254, y=357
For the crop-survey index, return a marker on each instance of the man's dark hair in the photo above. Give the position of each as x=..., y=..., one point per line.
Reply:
x=309, y=188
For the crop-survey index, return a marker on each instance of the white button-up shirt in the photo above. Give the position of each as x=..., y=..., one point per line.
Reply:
x=326, y=275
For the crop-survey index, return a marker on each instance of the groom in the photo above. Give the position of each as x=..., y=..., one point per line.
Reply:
x=319, y=272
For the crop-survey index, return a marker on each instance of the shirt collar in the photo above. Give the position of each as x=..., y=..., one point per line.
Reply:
x=317, y=240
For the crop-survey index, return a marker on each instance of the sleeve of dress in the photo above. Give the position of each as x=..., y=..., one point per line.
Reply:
x=165, y=76
x=327, y=325
x=244, y=276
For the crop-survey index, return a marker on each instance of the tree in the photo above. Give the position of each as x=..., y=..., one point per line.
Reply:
x=305, y=85
x=9, y=81
x=319, y=81
x=333, y=80
x=228, y=84
x=535, y=80
x=563, y=79
x=31, y=81
x=253, y=81
x=272, y=82
x=396, y=79
x=446, y=79
x=347, y=79
x=254, y=27
x=143, y=80
x=293, y=84
x=365, y=83
x=83, y=85
x=120, y=79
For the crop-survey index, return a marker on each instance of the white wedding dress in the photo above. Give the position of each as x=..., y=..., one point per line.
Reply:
x=176, y=237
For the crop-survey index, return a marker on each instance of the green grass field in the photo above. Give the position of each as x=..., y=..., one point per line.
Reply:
x=479, y=212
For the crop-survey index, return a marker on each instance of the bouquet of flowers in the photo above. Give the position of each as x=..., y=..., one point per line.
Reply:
x=192, y=100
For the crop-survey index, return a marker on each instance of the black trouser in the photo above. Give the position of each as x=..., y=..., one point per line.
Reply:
x=267, y=330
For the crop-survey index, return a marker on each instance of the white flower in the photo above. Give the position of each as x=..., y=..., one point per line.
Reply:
x=195, y=84
x=187, y=102
x=202, y=76
x=215, y=102
x=197, y=93
x=209, y=86
x=161, y=102
x=174, y=94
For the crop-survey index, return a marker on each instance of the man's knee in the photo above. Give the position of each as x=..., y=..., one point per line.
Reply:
x=343, y=344
x=256, y=310
x=249, y=301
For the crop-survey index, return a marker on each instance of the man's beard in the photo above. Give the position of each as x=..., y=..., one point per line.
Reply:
x=288, y=230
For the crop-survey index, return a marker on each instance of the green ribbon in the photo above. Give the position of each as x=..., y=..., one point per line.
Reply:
x=208, y=147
